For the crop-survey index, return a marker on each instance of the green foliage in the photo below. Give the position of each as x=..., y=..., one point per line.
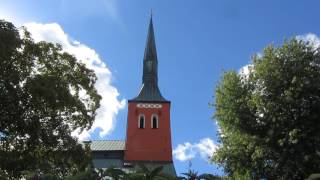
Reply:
x=37, y=176
x=145, y=173
x=211, y=177
x=115, y=173
x=270, y=116
x=89, y=173
x=314, y=177
x=40, y=105
x=193, y=175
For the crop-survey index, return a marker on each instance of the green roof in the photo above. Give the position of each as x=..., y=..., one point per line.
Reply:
x=106, y=145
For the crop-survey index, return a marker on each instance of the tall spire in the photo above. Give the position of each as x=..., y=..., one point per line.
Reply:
x=150, y=60
x=150, y=52
x=150, y=90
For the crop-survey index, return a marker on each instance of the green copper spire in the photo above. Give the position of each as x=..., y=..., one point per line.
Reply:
x=150, y=90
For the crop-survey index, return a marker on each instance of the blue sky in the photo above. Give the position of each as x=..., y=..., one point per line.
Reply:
x=196, y=42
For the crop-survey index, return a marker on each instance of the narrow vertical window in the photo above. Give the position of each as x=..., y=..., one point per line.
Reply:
x=141, y=122
x=154, y=122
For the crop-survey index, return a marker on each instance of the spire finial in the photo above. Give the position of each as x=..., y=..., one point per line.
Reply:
x=151, y=13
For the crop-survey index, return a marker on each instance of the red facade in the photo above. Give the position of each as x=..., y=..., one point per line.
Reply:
x=148, y=144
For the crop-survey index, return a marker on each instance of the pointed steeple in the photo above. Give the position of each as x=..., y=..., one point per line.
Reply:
x=150, y=52
x=150, y=90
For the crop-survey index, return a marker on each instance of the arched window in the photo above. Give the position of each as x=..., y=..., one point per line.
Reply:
x=154, y=121
x=141, y=122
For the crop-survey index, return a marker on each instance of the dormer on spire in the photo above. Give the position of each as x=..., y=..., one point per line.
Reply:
x=150, y=90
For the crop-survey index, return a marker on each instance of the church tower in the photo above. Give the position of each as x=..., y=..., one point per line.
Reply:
x=148, y=137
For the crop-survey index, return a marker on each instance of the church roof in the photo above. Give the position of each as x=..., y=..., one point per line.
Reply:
x=106, y=145
x=150, y=90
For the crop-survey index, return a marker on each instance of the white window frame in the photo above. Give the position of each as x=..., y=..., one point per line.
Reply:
x=144, y=121
x=157, y=120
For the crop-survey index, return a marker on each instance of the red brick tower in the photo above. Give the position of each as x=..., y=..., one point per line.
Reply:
x=148, y=128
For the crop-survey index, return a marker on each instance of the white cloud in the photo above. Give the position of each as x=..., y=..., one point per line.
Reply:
x=110, y=105
x=187, y=151
x=313, y=39
x=206, y=148
x=184, y=152
x=245, y=70
x=9, y=16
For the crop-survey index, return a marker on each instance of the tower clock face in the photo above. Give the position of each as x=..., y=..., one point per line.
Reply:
x=149, y=66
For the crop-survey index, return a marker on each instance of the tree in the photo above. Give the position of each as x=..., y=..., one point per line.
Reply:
x=114, y=173
x=270, y=117
x=41, y=103
x=193, y=175
x=145, y=173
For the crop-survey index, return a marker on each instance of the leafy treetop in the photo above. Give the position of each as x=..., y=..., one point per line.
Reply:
x=270, y=117
x=41, y=104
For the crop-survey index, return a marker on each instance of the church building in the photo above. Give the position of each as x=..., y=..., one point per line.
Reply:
x=148, y=135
